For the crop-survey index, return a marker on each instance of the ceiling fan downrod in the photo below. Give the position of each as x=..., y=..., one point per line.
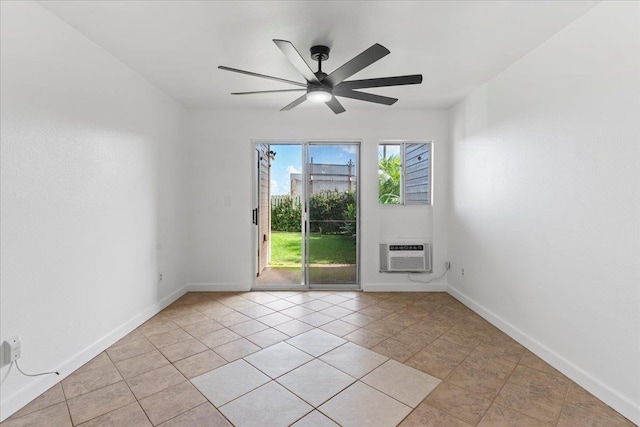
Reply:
x=320, y=53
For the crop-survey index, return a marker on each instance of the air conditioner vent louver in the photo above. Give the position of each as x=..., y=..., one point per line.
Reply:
x=405, y=257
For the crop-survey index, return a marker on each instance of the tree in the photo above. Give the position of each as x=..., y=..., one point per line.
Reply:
x=389, y=180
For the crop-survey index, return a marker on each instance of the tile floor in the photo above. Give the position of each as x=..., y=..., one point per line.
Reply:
x=316, y=359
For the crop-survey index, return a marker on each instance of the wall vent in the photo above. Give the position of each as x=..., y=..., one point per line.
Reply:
x=405, y=257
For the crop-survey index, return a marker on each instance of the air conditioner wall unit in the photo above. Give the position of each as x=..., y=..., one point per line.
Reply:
x=405, y=257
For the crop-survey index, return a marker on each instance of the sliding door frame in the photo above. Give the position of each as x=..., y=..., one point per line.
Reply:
x=305, y=286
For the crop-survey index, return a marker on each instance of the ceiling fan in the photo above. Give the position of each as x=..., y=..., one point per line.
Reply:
x=323, y=87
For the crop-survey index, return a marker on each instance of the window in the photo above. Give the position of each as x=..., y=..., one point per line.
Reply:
x=404, y=173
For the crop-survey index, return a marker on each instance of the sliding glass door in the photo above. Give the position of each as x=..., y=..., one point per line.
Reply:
x=306, y=215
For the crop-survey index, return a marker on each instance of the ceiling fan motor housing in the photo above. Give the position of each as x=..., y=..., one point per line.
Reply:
x=319, y=53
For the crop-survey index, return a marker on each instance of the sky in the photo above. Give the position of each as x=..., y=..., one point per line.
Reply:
x=289, y=160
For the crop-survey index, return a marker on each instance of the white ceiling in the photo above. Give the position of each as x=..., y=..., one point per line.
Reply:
x=177, y=45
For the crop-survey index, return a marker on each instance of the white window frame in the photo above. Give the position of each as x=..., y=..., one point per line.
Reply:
x=403, y=152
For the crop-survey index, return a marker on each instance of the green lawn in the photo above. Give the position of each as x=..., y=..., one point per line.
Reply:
x=325, y=249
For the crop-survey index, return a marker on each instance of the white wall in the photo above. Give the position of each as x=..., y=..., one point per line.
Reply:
x=93, y=201
x=545, y=202
x=221, y=159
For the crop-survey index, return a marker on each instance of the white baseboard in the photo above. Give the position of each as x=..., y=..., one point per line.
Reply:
x=404, y=287
x=26, y=394
x=218, y=287
x=603, y=392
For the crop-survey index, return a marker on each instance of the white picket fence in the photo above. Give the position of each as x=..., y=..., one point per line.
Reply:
x=277, y=200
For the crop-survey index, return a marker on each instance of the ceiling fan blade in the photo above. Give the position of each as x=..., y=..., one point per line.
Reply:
x=413, y=79
x=335, y=105
x=267, y=91
x=297, y=60
x=249, y=73
x=295, y=103
x=358, y=63
x=362, y=96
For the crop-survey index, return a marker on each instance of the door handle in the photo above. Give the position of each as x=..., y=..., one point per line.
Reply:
x=255, y=216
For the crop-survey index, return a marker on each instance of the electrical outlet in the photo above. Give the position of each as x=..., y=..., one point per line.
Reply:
x=160, y=277
x=462, y=271
x=12, y=349
x=447, y=265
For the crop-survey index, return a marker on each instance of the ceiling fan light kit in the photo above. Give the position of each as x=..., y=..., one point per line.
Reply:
x=318, y=94
x=323, y=87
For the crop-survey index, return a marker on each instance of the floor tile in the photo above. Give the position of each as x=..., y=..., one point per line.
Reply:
x=131, y=336
x=229, y=382
x=478, y=381
x=76, y=384
x=397, y=350
x=154, y=381
x=426, y=415
x=248, y=328
x=358, y=319
x=579, y=416
x=279, y=305
x=257, y=311
x=497, y=366
x=409, y=336
x=183, y=349
x=316, y=382
x=218, y=338
x=316, y=342
x=129, y=350
x=297, y=311
x=256, y=407
x=433, y=364
x=236, y=349
x=555, y=386
x=384, y=328
x=354, y=360
x=354, y=304
x=580, y=397
x=164, y=339
x=141, y=364
x=335, y=299
x=171, y=402
x=261, y=297
x=91, y=405
x=274, y=319
x=278, y=359
x=529, y=402
x=189, y=318
x=339, y=328
x=199, y=364
x=293, y=327
x=314, y=419
x=401, y=382
x=49, y=398
x=316, y=305
x=268, y=337
x=55, y=415
x=156, y=325
x=336, y=311
x=202, y=328
x=232, y=319
x=452, y=351
x=131, y=415
x=499, y=415
x=531, y=360
x=100, y=360
x=458, y=402
x=204, y=415
x=365, y=338
x=361, y=405
x=316, y=319
x=431, y=332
